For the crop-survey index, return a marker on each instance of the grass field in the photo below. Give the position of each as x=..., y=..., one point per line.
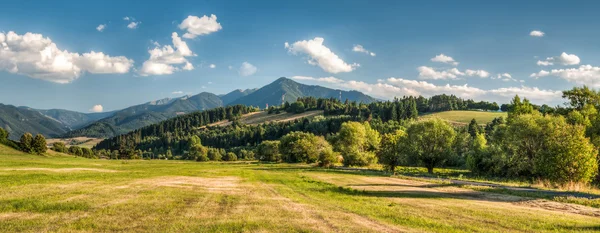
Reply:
x=66, y=194
x=464, y=117
x=77, y=141
x=263, y=117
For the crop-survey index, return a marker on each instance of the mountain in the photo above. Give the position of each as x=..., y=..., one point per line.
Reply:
x=18, y=120
x=271, y=94
x=138, y=116
x=72, y=119
x=234, y=95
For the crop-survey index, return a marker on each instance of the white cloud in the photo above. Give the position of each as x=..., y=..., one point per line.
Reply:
x=163, y=60
x=212, y=66
x=101, y=27
x=426, y=72
x=230, y=67
x=35, y=56
x=247, y=69
x=126, y=18
x=177, y=92
x=506, y=77
x=444, y=59
x=537, y=33
x=396, y=87
x=324, y=79
x=478, y=73
x=564, y=59
x=133, y=25
x=584, y=75
x=320, y=55
x=196, y=26
x=97, y=108
x=532, y=93
x=360, y=49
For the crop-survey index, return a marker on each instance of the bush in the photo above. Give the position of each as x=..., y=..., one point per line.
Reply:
x=268, y=151
x=302, y=147
x=38, y=146
x=214, y=154
x=328, y=158
x=25, y=142
x=60, y=147
x=230, y=156
x=357, y=143
x=75, y=150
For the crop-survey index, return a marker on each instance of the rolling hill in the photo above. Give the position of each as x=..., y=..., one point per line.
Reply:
x=18, y=120
x=65, y=123
x=146, y=114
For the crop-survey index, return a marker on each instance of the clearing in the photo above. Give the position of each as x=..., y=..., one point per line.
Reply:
x=77, y=141
x=264, y=117
x=464, y=117
x=65, y=194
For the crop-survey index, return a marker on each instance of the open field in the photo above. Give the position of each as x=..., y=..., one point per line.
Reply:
x=77, y=141
x=464, y=117
x=263, y=117
x=63, y=193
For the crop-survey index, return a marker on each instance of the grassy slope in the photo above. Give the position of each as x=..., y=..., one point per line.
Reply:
x=263, y=117
x=464, y=117
x=62, y=193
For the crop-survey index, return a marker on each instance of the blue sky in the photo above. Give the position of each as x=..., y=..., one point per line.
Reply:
x=497, y=54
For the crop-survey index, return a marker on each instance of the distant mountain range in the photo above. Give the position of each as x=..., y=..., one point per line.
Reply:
x=65, y=123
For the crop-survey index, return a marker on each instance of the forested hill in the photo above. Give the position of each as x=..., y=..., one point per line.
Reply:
x=153, y=112
x=149, y=113
x=18, y=120
x=271, y=94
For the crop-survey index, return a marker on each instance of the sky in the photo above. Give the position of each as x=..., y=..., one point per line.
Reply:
x=93, y=56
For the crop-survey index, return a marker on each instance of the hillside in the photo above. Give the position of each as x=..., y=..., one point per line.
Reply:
x=236, y=94
x=291, y=90
x=20, y=120
x=464, y=117
x=72, y=119
x=145, y=114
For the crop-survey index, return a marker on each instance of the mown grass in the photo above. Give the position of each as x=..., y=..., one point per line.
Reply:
x=181, y=196
x=464, y=117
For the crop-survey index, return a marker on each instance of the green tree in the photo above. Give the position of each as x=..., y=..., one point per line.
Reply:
x=580, y=96
x=568, y=156
x=87, y=152
x=357, y=142
x=214, y=154
x=297, y=107
x=519, y=107
x=328, y=158
x=59, y=147
x=26, y=142
x=268, y=151
x=473, y=128
x=430, y=143
x=75, y=150
x=3, y=134
x=301, y=147
x=230, y=156
x=392, y=151
x=38, y=146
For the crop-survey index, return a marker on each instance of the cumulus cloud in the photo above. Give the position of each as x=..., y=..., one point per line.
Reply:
x=584, y=75
x=197, y=26
x=164, y=60
x=360, y=49
x=477, y=73
x=564, y=59
x=324, y=79
x=212, y=66
x=126, y=18
x=133, y=25
x=320, y=55
x=426, y=72
x=101, y=27
x=38, y=57
x=247, y=69
x=536, y=33
x=396, y=87
x=97, y=108
x=444, y=59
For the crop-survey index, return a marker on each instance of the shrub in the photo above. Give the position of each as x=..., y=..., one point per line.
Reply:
x=268, y=151
x=230, y=156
